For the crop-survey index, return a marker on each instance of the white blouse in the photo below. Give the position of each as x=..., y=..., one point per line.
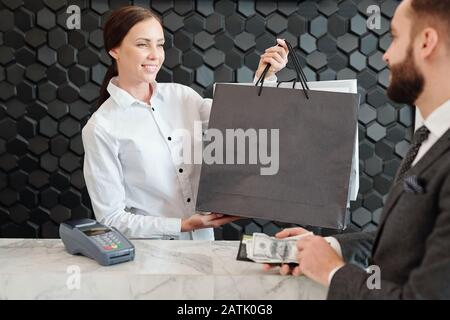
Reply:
x=131, y=167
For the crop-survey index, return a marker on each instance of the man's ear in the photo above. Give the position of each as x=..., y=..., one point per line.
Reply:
x=114, y=53
x=429, y=42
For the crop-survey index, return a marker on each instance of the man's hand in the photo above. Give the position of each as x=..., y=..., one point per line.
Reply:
x=277, y=56
x=315, y=256
x=201, y=221
x=289, y=232
x=316, y=259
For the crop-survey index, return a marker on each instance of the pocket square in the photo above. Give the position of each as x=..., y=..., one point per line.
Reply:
x=412, y=184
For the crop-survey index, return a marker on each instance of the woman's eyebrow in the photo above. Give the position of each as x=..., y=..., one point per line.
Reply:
x=149, y=40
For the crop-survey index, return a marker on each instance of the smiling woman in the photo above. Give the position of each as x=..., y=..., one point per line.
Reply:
x=130, y=168
x=134, y=37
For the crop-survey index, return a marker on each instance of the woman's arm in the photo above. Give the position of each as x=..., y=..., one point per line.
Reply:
x=104, y=181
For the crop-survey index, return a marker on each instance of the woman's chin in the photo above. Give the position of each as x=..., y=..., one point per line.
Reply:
x=149, y=77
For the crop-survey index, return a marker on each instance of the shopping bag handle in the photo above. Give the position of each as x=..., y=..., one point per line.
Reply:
x=298, y=69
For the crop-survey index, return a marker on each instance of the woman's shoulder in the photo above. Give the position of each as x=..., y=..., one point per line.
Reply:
x=104, y=117
x=177, y=89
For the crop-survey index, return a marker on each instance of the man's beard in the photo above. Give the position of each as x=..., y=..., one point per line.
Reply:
x=407, y=82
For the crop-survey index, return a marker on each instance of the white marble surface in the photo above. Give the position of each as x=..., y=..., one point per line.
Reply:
x=42, y=269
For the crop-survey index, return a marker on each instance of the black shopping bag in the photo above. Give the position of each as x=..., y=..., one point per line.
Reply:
x=316, y=137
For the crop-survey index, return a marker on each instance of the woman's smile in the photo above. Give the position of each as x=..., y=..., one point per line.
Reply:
x=151, y=68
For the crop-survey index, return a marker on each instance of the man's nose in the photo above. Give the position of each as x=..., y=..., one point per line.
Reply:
x=385, y=58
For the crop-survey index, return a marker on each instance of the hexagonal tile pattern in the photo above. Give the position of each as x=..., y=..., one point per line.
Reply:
x=376, y=132
x=276, y=23
x=214, y=23
x=255, y=25
x=47, y=55
x=319, y=26
x=358, y=25
x=50, y=79
x=369, y=44
x=361, y=217
x=376, y=61
x=386, y=114
x=337, y=26
x=204, y=40
x=317, y=60
x=183, y=40
x=347, y=42
x=35, y=37
x=214, y=57
x=194, y=23
x=173, y=22
x=245, y=41
x=358, y=60
x=46, y=19
x=234, y=24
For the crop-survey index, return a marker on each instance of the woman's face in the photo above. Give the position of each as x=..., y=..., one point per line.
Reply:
x=141, y=53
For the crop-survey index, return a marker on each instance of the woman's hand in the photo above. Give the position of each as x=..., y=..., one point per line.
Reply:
x=200, y=221
x=276, y=56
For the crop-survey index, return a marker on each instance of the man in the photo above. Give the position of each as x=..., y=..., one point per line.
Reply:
x=412, y=244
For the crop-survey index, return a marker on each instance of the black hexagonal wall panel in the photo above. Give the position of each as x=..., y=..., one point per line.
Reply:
x=50, y=78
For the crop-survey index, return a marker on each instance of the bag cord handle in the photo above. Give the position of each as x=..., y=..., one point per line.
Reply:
x=298, y=69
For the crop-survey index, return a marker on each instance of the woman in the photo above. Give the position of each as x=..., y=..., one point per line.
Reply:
x=131, y=176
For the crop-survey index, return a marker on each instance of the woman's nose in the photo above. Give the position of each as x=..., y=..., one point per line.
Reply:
x=152, y=54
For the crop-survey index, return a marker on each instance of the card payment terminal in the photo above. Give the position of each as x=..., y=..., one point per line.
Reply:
x=92, y=239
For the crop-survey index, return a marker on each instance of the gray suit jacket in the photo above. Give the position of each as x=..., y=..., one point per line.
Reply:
x=412, y=244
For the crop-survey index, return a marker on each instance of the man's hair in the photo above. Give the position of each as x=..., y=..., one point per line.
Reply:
x=432, y=12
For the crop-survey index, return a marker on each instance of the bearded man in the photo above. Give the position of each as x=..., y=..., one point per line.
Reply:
x=410, y=251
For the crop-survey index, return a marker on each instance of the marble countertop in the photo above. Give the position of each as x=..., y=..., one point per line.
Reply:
x=162, y=269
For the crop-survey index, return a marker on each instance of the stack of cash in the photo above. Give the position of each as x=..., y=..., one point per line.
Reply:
x=262, y=248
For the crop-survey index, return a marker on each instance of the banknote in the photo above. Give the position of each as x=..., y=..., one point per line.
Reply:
x=262, y=248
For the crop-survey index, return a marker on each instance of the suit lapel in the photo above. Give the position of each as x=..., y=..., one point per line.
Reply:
x=442, y=145
x=394, y=194
x=432, y=155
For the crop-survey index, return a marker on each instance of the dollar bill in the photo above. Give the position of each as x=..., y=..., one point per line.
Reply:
x=262, y=248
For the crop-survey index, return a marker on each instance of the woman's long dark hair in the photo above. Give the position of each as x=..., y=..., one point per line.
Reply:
x=116, y=28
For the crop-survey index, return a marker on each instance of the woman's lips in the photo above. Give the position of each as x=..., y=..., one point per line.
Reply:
x=150, y=67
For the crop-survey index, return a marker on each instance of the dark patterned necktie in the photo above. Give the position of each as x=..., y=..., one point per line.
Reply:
x=420, y=136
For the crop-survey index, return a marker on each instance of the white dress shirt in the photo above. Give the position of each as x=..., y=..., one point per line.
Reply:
x=131, y=174
x=438, y=122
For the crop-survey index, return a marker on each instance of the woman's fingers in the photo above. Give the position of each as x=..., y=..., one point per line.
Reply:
x=221, y=221
x=283, y=44
x=279, y=50
x=274, y=55
x=275, y=66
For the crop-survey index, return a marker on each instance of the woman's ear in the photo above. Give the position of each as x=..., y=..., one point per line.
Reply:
x=113, y=53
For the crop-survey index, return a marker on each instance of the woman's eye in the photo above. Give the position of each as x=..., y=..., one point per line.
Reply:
x=141, y=45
